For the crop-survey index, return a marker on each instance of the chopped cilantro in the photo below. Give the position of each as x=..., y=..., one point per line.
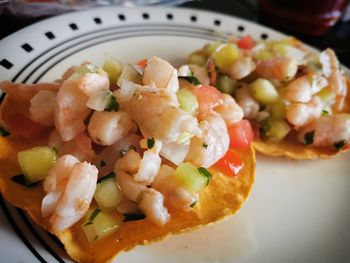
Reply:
x=150, y=143
x=133, y=217
x=339, y=145
x=22, y=180
x=55, y=149
x=4, y=132
x=113, y=105
x=107, y=176
x=309, y=137
x=194, y=203
x=325, y=113
x=122, y=152
x=191, y=79
x=205, y=145
x=92, y=217
x=205, y=172
x=102, y=163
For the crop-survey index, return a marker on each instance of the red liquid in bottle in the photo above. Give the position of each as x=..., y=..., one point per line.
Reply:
x=312, y=17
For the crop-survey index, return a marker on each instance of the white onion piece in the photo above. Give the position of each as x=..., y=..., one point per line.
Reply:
x=184, y=71
x=128, y=88
x=174, y=152
x=295, y=53
x=138, y=69
x=100, y=100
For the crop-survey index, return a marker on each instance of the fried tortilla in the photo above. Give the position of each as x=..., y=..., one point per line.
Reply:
x=223, y=197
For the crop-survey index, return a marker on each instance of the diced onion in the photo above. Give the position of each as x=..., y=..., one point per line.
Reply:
x=100, y=100
x=174, y=152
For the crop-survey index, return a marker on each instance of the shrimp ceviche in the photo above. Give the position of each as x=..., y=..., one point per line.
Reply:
x=296, y=99
x=114, y=156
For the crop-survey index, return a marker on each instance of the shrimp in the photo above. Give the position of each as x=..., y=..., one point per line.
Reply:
x=177, y=195
x=149, y=165
x=328, y=130
x=69, y=187
x=280, y=68
x=80, y=147
x=131, y=189
x=161, y=74
x=71, y=109
x=161, y=118
x=109, y=155
x=106, y=128
x=248, y=104
x=44, y=99
x=331, y=69
x=300, y=114
x=302, y=88
x=129, y=163
x=152, y=204
x=215, y=136
x=229, y=110
x=25, y=92
x=241, y=68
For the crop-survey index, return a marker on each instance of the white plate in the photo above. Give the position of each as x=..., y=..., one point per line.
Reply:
x=297, y=212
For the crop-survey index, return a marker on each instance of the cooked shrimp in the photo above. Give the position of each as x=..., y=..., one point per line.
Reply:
x=248, y=104
x=241, y=68
x=215, y=136
x=331, y=69
x=329, y=62
x=80, y=147
x=229, y=110
x=106, y=128
x=152, y=204
x=149, y=165
x=42, y=107
x=25, y=92
x=280, y=68
x=70, y=187
x=177, y=195
x=161, y=74
x=131, y=189
x=129, y=163
x=161, y=118
x=299, y=90
x=300, y=114
x=338, y=85
x=109, y=155
x=71, y=109
x=201, y=73
x=328, y=130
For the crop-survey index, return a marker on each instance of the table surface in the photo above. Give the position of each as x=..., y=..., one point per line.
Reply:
x=337, y=37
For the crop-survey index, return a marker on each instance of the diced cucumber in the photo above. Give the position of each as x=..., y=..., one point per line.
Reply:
x=277, y=130
x=114, y=68
x=99, y=224
x=264, y=91
x=263, y=55
x=188, y=101
x=36, y=162
x=108, y=194
x=277, y=110
x=197, y=59
x=190, y=177
x=225, y=56
x=227, y=85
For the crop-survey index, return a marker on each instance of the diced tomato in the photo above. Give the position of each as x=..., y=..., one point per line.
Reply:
x=25, y=127
x=208, y=98
x=231, y=164
x=142, y=63
x=241, y=134
x=246, y=42
x=212, y=73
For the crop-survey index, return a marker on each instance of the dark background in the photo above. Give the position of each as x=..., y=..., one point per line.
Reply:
x=337, y=37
